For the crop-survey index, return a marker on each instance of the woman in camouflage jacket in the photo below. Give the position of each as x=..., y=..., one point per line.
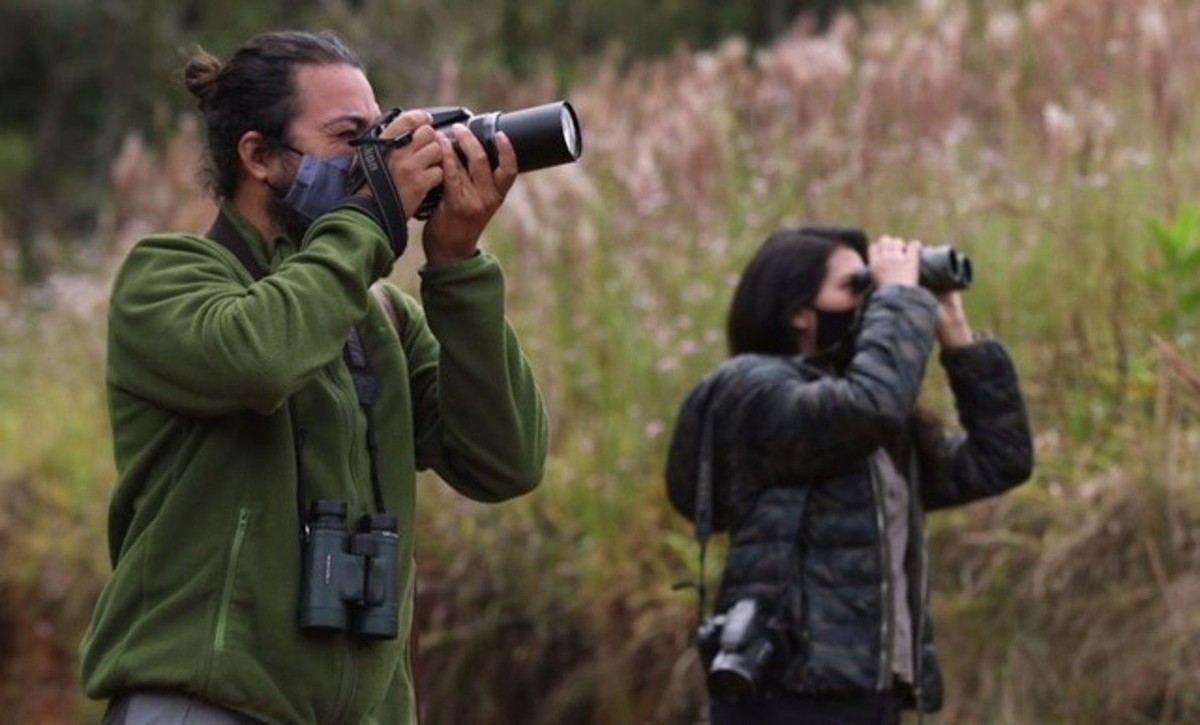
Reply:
x=823, y=470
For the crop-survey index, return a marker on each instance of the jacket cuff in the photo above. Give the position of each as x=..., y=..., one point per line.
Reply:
x=982, y=358
x=368, y=207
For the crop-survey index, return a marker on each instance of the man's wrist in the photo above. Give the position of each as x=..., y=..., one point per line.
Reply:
x=438, y=258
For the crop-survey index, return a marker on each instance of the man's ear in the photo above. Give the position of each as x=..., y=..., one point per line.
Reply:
x=256, y=155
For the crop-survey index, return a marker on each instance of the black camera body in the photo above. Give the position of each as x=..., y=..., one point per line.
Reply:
x=542, y=136
x=737, y=648
x=349, y=579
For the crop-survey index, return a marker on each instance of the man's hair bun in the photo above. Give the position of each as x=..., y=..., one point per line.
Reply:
x=202, y=73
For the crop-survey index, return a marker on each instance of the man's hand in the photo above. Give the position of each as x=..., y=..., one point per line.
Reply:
x=472, y=195
x=895, y=261
x=416, y=167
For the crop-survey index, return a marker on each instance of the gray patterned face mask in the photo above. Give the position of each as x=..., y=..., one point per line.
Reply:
x=319, y=185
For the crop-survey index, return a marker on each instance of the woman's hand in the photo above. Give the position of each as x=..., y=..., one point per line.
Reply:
x=953, y=330
x=894, y=261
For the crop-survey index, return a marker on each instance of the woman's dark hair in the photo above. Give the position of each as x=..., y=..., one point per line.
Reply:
x=783, y=278
x=256, y=90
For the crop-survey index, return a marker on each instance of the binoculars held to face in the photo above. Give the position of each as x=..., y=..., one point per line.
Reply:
x=542, y=136
x=349, y=579
x=942, y=269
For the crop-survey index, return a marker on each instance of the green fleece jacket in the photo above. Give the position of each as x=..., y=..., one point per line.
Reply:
x=203, y=525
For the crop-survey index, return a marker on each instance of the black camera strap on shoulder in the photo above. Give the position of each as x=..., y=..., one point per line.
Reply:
x=366, y=383
x=702, y=515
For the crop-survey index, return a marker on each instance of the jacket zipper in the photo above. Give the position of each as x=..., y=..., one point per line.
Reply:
x=227, y=587
x=885, y=640
x=349, y=683
x=916, y=526
x=919, y=634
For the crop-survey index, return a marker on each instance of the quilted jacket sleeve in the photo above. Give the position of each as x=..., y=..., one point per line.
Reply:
x=996, y=451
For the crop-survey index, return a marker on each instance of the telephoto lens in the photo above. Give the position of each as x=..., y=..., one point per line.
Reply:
x=541, y=136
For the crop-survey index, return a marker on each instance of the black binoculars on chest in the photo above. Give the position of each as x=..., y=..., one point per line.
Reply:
x=350, y=578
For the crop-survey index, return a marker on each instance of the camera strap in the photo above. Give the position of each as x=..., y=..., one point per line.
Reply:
x=703, y=515
x=366, y=384
x=372, y=169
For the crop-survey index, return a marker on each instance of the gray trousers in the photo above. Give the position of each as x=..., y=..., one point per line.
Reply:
x=165, y=708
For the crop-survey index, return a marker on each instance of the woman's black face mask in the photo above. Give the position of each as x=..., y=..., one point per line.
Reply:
x=837, y=331
x=836, y=334
x=833, y=328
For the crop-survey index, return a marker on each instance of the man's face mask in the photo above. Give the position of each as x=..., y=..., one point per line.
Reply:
x=320, y=183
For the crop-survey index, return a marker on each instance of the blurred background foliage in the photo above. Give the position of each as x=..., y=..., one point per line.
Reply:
x=1052, y=140
x=76, y=76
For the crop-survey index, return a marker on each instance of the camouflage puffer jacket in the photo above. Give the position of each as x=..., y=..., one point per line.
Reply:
x=795, y=486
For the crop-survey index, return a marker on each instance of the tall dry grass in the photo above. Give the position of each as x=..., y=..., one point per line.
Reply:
x=1042, y=137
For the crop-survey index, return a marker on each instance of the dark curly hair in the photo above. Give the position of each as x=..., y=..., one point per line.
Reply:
x=255, y=90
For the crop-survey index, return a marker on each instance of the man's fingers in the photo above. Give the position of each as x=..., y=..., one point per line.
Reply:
x=405, y=122
x=431, y=177
x=477, y=160
x=506, y=171
x=430, y=154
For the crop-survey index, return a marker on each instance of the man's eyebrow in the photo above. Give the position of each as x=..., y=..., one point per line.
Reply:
x=357, y=121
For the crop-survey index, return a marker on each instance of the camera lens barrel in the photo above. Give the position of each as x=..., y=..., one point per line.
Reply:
x=542, y=136
x=745, y=652
x=736, y=676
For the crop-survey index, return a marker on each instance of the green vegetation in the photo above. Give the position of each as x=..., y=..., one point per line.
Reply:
x=77, y=76
x=1050, y=140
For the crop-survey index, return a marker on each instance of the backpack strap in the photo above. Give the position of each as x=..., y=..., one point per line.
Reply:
x=224, y=232
x=388, y=304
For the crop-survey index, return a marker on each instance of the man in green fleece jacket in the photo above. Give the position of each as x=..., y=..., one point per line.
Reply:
x=234, y=405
